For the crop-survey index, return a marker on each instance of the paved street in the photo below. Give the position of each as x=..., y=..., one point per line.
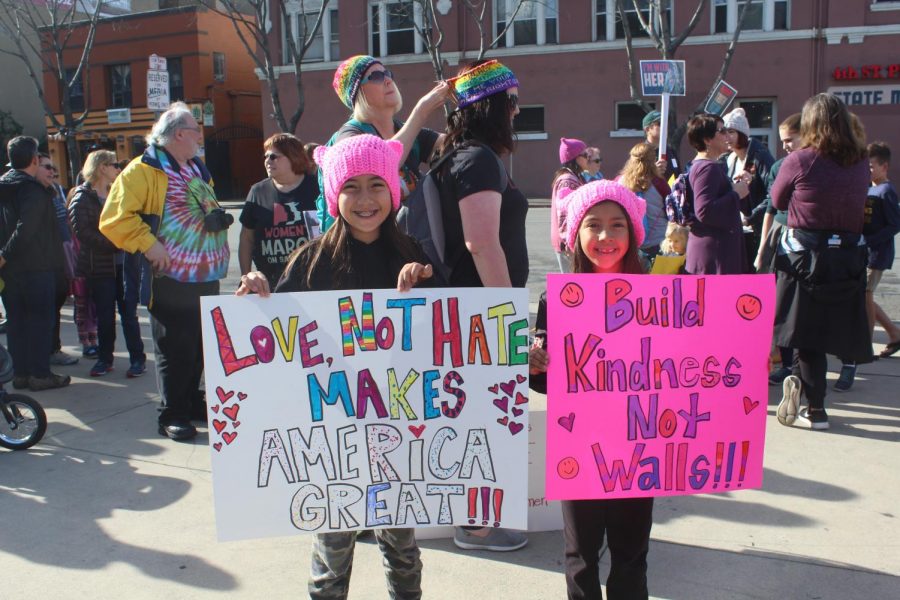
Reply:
x=106, y=508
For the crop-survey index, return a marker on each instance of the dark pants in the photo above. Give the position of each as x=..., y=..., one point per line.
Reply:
x=178, y=343
x=108, y=294
x=626, y=524
x=30, y=303
x=62, y=292
x=812, y=368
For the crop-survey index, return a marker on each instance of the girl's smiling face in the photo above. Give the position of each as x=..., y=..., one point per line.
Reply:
x=603, y=236
x=365, y=202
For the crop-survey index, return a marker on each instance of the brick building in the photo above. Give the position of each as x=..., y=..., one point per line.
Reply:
x=208, y=67
x=569, y=56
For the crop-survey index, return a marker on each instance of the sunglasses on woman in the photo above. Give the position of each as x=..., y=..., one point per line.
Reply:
x=513, y=100
x=377, y=76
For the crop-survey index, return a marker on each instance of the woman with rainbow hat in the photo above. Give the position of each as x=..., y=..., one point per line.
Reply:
x=367, y=88
x=483, y=211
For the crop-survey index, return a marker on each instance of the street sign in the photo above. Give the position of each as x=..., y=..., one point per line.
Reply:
x=157, y=63
x=157, y=90
x=118, y=116
x=660, y=77
x=720, y=99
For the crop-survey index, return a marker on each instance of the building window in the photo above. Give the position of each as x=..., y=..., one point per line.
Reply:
x=884, y=5
x=76, y=92
x=529, y=120
x=629, y=115
x=218, y=66
x=119, y=85
x=762, y=15
x=301, y=23
x=394, y=27
x=176, y=79
x=763, y=119
x=535, y=23
x=608, y=25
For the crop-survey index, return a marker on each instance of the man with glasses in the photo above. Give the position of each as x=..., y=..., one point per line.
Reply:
x=30, y=258
x=163, y=206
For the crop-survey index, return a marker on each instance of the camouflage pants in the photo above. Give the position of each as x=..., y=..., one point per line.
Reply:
x=332, y=561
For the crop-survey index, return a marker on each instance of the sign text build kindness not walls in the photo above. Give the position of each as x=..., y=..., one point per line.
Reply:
x=358, y=409
x=657, y=384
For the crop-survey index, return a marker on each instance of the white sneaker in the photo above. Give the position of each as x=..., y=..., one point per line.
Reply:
x=817, y=420
x=62, y=359
x=790, y=401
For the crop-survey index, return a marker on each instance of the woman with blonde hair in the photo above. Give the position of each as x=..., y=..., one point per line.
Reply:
x=641, y=176
x=366, y=87
x=102, y=265
x=821, y=261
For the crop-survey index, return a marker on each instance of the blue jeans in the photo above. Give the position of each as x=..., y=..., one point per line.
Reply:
x=30, y=300
x=108, y=294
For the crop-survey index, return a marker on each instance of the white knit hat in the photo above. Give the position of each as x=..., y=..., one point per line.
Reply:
x=737, y=120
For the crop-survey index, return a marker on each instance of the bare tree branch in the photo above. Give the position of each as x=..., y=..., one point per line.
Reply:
x=629, y=53
x=695, y=18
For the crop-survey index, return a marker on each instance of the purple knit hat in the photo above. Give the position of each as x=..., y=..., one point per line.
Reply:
x=570, y=148
x=584, y=198
x=359, y=155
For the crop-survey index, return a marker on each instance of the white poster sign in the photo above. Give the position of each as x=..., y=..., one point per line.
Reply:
x=346, y=410
x=157, y=90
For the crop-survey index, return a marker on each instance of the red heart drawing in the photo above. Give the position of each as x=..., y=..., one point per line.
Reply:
x=241, y=395
x=509, y=387
x=521, y=398
x=237, y=424
x=749, y=405
x=502, y=404
x=223, y=395
x=521, y=378
x=231, y=411
x=517, y=412
x=567, y=422
x=219, y=425
x=215, y=408
x=416, y=430
x=515, y=428
x=503, y=421
x=493, y=389
x=218, y=446
x=229, y=437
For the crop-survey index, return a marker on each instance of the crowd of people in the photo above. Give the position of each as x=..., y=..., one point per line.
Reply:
x=822, y=219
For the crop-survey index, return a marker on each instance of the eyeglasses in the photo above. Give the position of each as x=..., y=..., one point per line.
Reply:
x=48, y=167
x=272, y=156
x=194, y=129
x=114, y=165
x=513, y=100
x=377, y=76
x=721, y=130
x=595, y=160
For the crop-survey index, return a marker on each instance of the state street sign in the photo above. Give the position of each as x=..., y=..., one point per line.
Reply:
x=157, y=90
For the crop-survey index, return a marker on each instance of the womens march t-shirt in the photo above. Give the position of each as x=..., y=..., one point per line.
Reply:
x=281, y=222
x=197, y=255
x=473, y=169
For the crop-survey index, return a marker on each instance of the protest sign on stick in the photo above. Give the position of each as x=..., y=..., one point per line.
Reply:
x=657, y=385
x=721, y=98
x=346, y=410
x=663, y=78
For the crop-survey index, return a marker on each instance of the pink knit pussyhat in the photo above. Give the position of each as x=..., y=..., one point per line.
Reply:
x=569, y=149
x=590, y=194
x=359, y=155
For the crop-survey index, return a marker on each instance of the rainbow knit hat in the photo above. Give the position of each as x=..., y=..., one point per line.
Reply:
x=359, y=155
x=348, y=75
x=482, y=81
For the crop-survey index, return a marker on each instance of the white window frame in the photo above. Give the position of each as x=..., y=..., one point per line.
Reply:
x=610, y=33
x=310, y=7
x=540, y=18
x=734, y=10
x=884, y=6
x=618, y=131
x=534, y=134
x=772, y=132
x=419, y=46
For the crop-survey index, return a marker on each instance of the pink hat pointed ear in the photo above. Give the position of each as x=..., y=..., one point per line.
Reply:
x=396, y=147
x=319, y=154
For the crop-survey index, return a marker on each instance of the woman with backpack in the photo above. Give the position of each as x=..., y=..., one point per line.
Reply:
x=367, y=88
x=640, y=175
x=483, y=212
x=716, y=242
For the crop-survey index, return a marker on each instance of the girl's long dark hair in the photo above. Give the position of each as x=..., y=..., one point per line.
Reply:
x=334, y=248
x=487, y=121
x=631, y=262
x=570, y=167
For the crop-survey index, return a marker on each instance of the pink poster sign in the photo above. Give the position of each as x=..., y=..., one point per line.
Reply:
x=657, y=384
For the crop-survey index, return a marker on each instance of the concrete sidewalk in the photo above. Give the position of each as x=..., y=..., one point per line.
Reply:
x=106, y=508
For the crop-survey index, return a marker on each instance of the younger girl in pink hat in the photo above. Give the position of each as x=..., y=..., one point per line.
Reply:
x=364, y=249
x=604, y=232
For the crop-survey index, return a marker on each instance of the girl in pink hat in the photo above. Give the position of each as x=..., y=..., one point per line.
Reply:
x=573, y=160
x=604, y=230
x=364, y=249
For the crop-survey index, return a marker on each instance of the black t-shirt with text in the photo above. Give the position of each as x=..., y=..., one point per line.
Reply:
x=281, y=222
